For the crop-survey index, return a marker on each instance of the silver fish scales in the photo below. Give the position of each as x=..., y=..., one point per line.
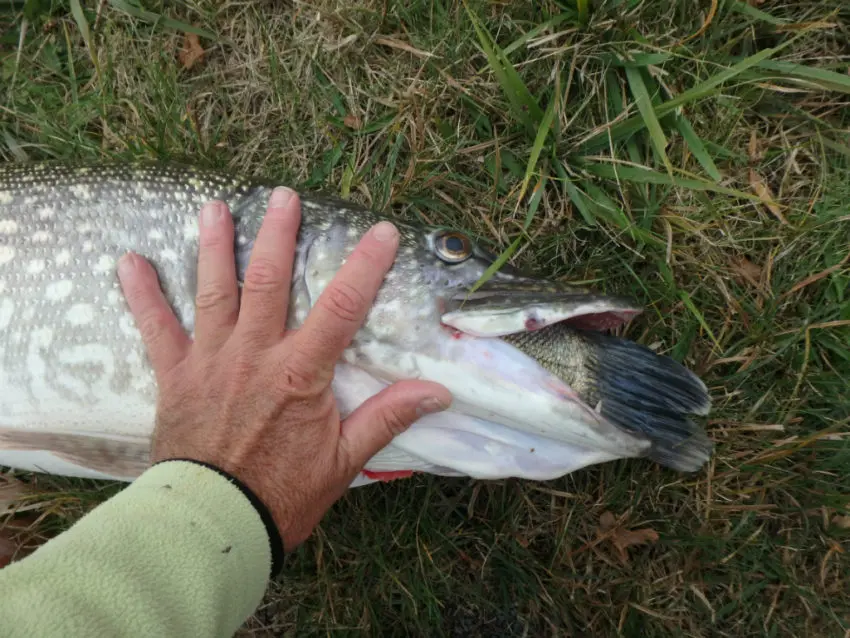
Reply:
x=540, y=389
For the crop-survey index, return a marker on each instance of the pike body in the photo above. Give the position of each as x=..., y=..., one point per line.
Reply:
x=540, y=390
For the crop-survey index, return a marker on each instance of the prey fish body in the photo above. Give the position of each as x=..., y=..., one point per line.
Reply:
x=78, y=397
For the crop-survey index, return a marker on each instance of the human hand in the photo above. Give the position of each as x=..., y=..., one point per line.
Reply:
x=253, y=399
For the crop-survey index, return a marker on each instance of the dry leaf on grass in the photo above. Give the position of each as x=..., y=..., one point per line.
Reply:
x=748, y=271
x=762, y=190
x=841, y=522
x=753, y=150
x=13, y=494
x=7, y=550
x=192, y=51
x=623, y=538
x=352, y=121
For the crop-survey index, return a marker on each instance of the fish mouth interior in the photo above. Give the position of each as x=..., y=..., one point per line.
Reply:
x=600, y=321
x=501, y=308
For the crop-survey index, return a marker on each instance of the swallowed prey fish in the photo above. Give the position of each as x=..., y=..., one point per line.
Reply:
x=540, y=390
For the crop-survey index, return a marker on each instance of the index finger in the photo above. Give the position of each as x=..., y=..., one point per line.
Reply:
x=343, y=305
x=166, y=343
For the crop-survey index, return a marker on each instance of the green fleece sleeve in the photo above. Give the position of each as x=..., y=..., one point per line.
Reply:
x=179, y=552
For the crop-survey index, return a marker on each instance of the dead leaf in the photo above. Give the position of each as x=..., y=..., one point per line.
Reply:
x=607, y=522
x=192, y=51
x=7, y=550
x=748, y=271
x=753, y=148
x=762, y=190
x=623, y=538
x=841, y=522
x=352, y=121
x=13, y=494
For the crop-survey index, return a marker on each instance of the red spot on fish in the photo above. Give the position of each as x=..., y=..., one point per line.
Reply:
x=388, y=476
x=454, y=332
x=533, y=323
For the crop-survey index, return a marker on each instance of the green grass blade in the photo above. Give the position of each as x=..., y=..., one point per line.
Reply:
x=616, y=216
x=647, y=112
x=539, y=142
x=82, y=23
x=15, y=147
x=689, y=304
x=823, y=78
x=697, y=148
x=533, y=33
x=576, y=196
x=758, y=14
x=501, y=260
x=636, y=60
x=641, y=175
x=835, y=146
x=581, y=202
x=534, y=202
x=155, y=18
x=616, y=101
x=525, y=107
x=583, y=8
x=698, y=92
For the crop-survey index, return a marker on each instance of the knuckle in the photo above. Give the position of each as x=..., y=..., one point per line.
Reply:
x=296, y=380
x=153, y=326
x=263, y=275
x=395, y=421
x=344, y=301
x=211, y=297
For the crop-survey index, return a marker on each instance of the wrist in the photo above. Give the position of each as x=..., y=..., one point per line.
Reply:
x=274, y=535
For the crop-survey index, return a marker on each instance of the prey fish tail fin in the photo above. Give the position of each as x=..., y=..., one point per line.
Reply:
x=654, y=395
x=649, y=395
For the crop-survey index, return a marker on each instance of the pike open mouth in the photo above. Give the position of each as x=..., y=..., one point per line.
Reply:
x=504, y=308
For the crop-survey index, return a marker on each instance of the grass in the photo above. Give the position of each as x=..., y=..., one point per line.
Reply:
x=693, y=155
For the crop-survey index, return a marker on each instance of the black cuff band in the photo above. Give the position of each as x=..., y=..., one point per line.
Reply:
x=275, y=540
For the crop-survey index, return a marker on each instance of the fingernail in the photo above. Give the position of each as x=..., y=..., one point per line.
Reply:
x=126, y=265
x=280, y=197
x=211, y=213
x=385, y=231
x=429, y=406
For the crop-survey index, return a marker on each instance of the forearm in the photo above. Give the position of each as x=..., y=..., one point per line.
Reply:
x=179, y=552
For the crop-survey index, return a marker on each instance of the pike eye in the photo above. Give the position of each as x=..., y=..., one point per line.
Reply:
x=453, y=247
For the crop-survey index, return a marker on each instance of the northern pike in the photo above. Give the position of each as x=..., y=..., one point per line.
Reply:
x=541, y=388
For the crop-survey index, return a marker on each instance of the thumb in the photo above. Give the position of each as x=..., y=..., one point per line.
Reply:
x=374, y=424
